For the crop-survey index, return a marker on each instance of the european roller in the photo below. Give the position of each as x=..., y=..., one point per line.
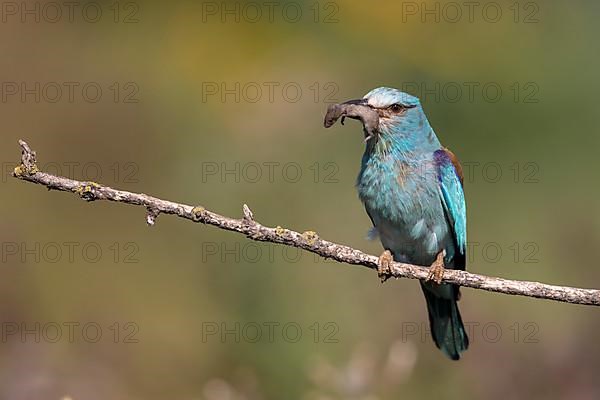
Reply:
x=411, y=187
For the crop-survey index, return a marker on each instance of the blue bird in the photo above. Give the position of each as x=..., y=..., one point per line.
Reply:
x=411, y=187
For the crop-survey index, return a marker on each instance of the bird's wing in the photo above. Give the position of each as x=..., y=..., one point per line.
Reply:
x=453, y=199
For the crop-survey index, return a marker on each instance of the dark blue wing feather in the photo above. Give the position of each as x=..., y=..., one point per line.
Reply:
x=453, y=198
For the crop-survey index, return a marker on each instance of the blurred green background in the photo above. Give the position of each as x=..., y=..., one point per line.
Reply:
x=212, y=103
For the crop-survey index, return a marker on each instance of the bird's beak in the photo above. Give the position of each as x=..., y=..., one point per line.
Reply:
x=355, y=109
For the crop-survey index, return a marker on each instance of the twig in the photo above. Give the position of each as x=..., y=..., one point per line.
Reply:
x=309, y=240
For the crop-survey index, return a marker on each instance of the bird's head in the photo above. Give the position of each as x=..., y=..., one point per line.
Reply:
x=386, y=114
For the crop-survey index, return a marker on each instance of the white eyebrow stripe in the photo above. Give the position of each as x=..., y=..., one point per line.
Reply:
x=378, y=102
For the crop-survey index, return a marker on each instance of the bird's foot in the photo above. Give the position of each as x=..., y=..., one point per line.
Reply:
x=383, y=266
x=436, y=271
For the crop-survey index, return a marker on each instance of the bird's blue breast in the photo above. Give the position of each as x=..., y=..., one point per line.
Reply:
x=401, y=195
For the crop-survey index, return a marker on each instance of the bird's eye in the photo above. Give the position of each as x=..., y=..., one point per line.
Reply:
x=396, y=108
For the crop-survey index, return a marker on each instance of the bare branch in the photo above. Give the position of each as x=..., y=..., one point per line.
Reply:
x=309, y=240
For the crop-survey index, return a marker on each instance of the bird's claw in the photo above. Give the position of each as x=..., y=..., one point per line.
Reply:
x=383, y=266
x=436, y=270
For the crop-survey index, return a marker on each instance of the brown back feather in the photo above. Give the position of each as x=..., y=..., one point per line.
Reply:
x=456, y=163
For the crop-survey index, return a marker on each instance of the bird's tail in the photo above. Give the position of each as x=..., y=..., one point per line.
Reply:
x=447, y=328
